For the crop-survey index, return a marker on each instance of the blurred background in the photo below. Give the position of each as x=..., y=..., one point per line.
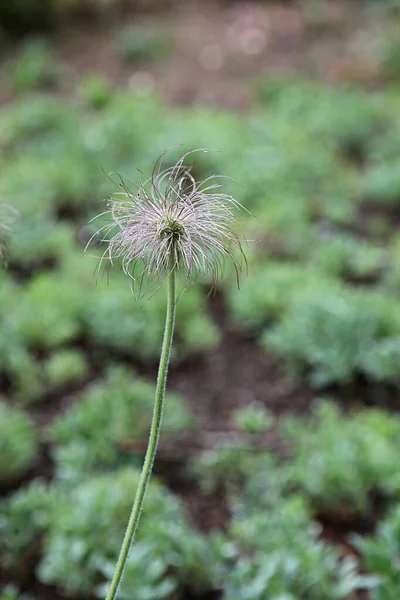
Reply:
x=277, y=476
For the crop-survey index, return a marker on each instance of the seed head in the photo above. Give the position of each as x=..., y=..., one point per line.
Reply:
x=170, y=221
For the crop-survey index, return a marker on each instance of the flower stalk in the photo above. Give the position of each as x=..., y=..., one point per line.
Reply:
x=154, y=432
x=169, y=224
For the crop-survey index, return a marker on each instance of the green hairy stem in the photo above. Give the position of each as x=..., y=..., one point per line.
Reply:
x=153, y=439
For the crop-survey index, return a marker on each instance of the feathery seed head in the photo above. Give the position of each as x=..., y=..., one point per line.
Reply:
x=170, y=221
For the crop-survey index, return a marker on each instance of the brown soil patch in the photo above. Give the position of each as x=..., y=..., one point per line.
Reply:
x=219, y=49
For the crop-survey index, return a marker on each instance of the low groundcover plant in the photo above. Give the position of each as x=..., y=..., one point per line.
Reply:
x=7, y=215
x=169, y=225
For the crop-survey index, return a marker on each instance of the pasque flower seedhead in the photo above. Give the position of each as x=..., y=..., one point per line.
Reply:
x=171, y=221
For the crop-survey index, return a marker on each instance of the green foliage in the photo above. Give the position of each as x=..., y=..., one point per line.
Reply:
x=384, y=145
x=302, y=179
x=73, y=181
x=109, y=413
x=339, y=464
x=115, y=137
x=78, y=554
x=171, y=558
x=24, y=517
x=272, y=548
x=37, y=241
x=392, y=276
x=342, y=461
x=28, y=383
x=142, y=43
x=15, y=359
x=346, y=256
x=18, y=445
x=47, y=315
x=380, y=555
x=61, y=187
x=25, y=175
x=76, y=460
x=391, y=59
x=381, y=184
x=254, y=418
x=219, y=131
x=334, y=337
x=278, y=555
x=11, y=592
x=33, y=120
x=65, y=366
x=278, y=174
x=228, y=466
x=271, y=288
x=346, y=117
x=35, y=68
x=95, y=91
x=296, y=169
x=282, y=574
x=115, y=319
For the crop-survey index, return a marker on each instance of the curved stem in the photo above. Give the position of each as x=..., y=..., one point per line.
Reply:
x=153, y=439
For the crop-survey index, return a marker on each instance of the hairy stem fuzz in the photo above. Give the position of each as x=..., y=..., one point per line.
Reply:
x=154, y=434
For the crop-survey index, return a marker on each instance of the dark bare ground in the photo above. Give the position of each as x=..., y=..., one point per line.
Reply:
x=364, y=393
x=219, y=49
x=235, y=374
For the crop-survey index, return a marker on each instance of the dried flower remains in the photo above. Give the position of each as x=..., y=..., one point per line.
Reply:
x=171, y=221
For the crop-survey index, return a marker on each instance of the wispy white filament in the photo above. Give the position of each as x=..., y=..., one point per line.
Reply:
x=170, y=218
